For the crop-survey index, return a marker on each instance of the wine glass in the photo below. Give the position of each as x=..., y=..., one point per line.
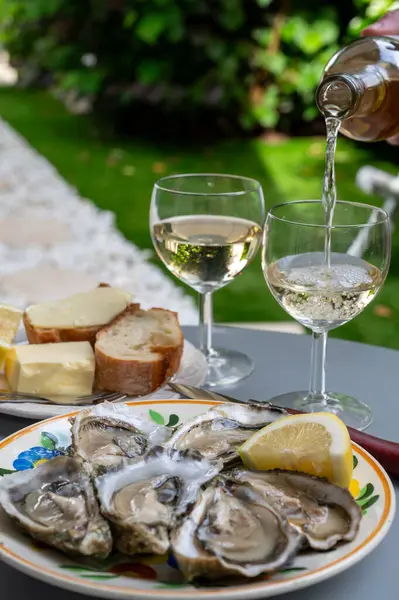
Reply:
x=324, y=277
x=206, y=228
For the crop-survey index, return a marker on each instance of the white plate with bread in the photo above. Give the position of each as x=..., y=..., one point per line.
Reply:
x=97, y=340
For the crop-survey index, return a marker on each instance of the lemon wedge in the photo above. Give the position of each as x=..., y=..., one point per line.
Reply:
x=10, y=319
x=314, y=443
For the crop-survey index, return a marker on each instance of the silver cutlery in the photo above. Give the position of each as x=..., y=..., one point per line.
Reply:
x=196, y=393
x=95, y=398
x=385, y=451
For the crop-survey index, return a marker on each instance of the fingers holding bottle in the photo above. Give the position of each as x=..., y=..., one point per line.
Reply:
x=388, y=24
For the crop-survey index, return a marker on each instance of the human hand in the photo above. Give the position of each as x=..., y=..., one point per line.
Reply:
x=387, y=25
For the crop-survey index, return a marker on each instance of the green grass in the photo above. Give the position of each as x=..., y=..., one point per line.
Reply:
x=118, y=175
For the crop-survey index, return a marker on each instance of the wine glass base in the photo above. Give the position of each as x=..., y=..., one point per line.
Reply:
x=227, y=367
x=352, y=412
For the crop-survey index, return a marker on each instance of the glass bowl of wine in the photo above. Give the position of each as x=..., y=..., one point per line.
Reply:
x=206, y=228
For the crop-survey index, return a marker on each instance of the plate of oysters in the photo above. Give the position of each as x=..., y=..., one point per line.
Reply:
x=100, y=340
x=157, y=499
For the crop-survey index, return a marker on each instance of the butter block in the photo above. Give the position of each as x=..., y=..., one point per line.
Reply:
x=4, y=386
x=4, y=350
x=88, y=309
x=64, y=369
x=10, y=319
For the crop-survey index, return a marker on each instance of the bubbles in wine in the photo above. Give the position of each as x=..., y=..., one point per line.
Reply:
x=334, y=278
x=319, y=296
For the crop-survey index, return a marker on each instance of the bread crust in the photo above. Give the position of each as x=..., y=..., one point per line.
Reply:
x=55, y=335
x=137, y=377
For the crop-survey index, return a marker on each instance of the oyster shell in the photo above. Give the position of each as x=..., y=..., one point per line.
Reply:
x=143, y=499
x=225, y=536
x=323, y=512
x=55, y=503
x=222, y=429
x=107, y=434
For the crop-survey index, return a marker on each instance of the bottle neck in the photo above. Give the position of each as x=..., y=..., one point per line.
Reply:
x=345, y=95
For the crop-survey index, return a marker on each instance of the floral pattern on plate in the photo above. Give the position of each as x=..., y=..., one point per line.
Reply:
x=126, y=577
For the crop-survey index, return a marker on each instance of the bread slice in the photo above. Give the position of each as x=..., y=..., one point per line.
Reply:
x=139, y=351
x=74, y=319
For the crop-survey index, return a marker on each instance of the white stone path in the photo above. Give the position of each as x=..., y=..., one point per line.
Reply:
x=54, y=243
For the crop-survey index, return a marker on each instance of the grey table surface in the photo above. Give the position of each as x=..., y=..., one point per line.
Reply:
x=282, y=364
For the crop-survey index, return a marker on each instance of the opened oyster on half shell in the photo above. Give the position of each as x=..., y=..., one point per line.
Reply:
x=222, y=429
x=222, y=535
x=107, y=434
x=132, y=484
x=143, y=499
x=55, y=503
x=322, y=512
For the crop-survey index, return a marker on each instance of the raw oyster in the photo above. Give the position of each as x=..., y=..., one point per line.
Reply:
x=143, y=499
x=107, y=434
x=225, y=536
x=323, y=512
x=55, y=503
x=222, y=429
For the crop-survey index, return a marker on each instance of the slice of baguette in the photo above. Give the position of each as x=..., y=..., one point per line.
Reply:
x=139, y=351
x=74, y=319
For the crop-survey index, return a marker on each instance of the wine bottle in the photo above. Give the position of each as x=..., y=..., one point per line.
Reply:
x=360, y=86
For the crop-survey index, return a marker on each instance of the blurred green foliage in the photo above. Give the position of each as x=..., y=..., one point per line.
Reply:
x=234, y=64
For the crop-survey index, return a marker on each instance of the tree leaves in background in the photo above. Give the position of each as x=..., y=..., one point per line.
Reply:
x=310, y=36
x=266, y=112
x=367, y=12
x=242, y=63
x=233, y=17
x=130, y=18
x=150, y=27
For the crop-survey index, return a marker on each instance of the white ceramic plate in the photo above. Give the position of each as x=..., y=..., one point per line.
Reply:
x=192, y=371
x=157, y=578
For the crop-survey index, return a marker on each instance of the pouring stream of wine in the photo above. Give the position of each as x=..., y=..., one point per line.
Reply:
x=329, y=195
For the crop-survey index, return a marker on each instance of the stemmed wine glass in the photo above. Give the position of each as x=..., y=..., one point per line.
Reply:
x=206, y=228
x=324, y=277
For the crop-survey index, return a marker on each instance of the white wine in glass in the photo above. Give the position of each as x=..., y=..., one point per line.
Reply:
x=206, y=251
x=322, y=297
x=206, y=228
x=325, y=291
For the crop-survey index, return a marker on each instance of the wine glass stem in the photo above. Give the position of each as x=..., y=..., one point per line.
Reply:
x=206, y=319
x=317, y=383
